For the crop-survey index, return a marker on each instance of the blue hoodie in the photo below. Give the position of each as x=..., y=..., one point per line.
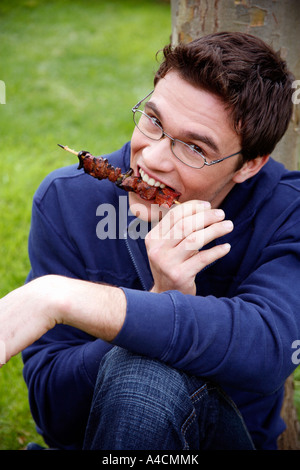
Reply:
x=237, y=331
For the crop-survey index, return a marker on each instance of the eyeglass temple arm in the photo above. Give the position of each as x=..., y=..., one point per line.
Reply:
x=222, y=159
x=140, y=102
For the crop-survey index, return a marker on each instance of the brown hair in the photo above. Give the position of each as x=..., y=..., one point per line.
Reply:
x=248, y=75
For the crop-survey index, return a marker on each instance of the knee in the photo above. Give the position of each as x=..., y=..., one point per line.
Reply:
x=142, y=384
x=126, y=371
x=141, y=403
x=143, y=398
x=122, y=364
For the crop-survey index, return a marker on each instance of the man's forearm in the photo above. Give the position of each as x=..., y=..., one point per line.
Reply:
x=97, y=309
x=30, y=311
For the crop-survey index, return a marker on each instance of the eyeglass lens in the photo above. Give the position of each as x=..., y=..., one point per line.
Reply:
x=182, y=151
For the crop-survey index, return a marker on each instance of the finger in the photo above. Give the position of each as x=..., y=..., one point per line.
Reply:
x=176, y=214
x=198, y=239
x=190, y=246
x=204, y=258
x=193, y=223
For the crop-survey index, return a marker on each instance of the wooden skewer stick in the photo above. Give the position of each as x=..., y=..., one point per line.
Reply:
x=68, y=149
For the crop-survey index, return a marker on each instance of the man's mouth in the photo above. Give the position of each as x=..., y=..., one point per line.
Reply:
x=149, y=188
x=150, y=180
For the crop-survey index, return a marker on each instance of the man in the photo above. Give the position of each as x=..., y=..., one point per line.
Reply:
x=181, y=340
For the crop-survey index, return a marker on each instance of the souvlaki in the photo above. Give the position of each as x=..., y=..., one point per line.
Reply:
x=100, y=168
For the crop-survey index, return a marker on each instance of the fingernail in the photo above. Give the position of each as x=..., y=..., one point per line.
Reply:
x=228, y=224
x=219, y=213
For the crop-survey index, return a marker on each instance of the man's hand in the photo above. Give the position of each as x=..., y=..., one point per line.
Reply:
x=24, y=316
x=173, y=245
x=31, y=310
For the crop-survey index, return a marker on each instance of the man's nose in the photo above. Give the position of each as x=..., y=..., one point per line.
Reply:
x=158, y=154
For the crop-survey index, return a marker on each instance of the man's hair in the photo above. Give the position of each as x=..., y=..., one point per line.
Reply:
x=248, y=75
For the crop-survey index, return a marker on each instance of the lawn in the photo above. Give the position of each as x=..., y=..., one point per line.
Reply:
x=73, y=69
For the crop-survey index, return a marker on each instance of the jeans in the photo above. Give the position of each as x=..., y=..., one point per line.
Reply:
x=143, y=404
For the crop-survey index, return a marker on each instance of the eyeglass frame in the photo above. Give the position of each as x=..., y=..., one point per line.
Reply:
x=174, y=140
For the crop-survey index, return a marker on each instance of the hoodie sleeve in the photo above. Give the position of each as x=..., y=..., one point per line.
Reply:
x=60, y=369
x=243, y=341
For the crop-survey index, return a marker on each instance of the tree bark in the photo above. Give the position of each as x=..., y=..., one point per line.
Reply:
x=277, y=23
x=289, y=439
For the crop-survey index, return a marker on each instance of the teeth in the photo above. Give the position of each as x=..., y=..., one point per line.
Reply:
x=151, y=181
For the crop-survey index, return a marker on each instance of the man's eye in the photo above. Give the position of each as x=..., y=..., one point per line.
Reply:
x=196, y=148
x=155, y=121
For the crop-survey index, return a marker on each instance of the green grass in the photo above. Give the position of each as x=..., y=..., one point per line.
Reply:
x=72, y=70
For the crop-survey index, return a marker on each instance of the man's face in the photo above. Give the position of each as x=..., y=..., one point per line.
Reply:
x=196, y=117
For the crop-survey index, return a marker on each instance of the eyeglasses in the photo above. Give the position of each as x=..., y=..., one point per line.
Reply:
x=151, y=128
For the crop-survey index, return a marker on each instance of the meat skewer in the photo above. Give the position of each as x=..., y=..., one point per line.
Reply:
x=100, y=168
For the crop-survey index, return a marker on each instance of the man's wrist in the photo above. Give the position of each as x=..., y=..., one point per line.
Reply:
x=94, y=308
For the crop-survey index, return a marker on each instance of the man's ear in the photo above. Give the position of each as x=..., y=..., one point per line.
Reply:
x=250, y=169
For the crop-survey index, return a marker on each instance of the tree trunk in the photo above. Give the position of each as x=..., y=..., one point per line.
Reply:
x=277, y=23
x=289, y=439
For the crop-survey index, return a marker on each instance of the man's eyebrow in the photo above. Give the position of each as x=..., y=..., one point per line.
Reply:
x=153, y=107
x=204, y=139
x=188, y=135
